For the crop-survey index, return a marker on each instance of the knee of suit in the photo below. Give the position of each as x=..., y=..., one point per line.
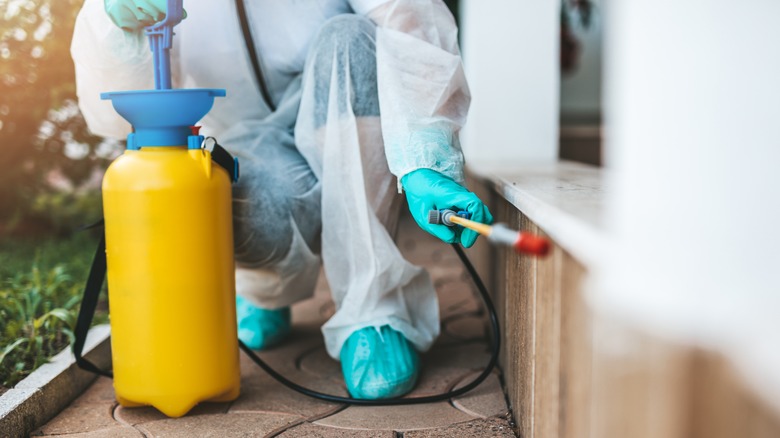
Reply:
x=349, y=42
x=268, y=201
x=346, y=30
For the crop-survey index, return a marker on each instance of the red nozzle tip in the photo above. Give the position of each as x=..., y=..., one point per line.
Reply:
x=195, y=130
x=530, y=244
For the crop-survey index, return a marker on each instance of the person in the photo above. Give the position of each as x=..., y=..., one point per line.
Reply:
x=334, y=107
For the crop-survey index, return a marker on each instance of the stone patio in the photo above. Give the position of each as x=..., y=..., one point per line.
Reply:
x=266, y=408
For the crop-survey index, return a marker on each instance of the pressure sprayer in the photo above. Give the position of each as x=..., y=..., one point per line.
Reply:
x=168, y=252
x=169, y=246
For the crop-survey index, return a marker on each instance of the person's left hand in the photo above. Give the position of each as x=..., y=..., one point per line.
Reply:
x=428, y=190
x=134, y=15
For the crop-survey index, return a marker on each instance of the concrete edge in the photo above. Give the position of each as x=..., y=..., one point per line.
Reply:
x=584, y=240
x=49, y=389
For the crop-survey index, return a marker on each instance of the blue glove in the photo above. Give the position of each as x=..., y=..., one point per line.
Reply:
x=134, y=15
x=428, y=190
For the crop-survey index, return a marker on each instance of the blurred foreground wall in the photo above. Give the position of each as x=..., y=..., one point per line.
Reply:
x=656, y=314
x=691, y=116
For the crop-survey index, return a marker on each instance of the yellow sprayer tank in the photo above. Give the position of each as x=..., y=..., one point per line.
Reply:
x=169, y=249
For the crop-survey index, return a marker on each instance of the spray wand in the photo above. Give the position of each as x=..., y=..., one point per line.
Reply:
x=521, y=242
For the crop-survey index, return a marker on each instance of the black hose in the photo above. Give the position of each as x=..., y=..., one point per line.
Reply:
x=96, y=279
x=495, y=347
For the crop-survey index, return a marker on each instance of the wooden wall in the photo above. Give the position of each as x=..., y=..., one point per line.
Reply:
x=569, y=373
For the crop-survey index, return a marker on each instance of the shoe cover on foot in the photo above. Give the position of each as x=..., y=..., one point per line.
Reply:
x=261, y=328
x=379, y=363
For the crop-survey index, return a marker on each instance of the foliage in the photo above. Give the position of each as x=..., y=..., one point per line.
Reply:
x=42, y=133
x=66, y=211
x=37, y=322
x=39, y=299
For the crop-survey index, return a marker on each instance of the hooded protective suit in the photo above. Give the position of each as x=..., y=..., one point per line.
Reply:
x=319, y=166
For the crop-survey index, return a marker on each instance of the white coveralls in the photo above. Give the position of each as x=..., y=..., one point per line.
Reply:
x=323, y=161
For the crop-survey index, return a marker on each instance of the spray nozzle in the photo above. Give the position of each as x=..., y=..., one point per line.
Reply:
x=444, y=216
x=521, y=242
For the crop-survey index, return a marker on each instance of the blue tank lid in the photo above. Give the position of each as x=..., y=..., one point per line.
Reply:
x=162, y=117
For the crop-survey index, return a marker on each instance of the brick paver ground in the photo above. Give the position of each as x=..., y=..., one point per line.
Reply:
x=266, y=408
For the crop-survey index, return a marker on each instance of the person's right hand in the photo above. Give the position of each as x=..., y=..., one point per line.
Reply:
x=428, y=190
x=134, y=15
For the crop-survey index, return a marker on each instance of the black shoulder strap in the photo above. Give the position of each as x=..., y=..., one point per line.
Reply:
x=223, y=158
x=97, y=274
x=250, y=48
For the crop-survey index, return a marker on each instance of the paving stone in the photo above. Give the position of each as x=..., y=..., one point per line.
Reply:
x=419, y=251
x=290, y=364
x=446, y=340
x=422, y=249
x=411, y=238
x=407, y=244
x=271, y=396
x=283, y=357
x=133, y=416
x=468, y=356
x=444, y=367
x=318, y=363
x=483, y=428
x=82, y=418
x=219, y=425
x=409, y=417
x=457, y=297
x=486, y=400
x=147, y=414
x=309, y=430
x=315, y=310
x=100, y=392
x=111, y=432
x=444, y=272
x=437, y=380
x=466, y=327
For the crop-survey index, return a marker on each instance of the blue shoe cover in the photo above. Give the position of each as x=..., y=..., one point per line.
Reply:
x=261, y=328
x=379, y=363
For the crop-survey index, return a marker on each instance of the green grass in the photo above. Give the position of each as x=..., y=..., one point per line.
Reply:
x=41, y=282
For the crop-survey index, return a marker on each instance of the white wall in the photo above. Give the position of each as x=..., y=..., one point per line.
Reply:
x=510, y=48
x=692, y=114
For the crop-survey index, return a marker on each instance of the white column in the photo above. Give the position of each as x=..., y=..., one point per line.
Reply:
x=510, y=48
x=693, y=103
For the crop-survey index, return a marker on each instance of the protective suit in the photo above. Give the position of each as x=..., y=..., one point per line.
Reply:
x=321, y=172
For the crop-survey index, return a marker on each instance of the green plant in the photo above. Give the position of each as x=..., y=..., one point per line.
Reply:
x=39, y=323
x=66, y=211
x=19, y=254
x=39, y=304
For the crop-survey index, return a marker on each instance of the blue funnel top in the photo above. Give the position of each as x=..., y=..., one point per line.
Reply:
x=162, y=117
